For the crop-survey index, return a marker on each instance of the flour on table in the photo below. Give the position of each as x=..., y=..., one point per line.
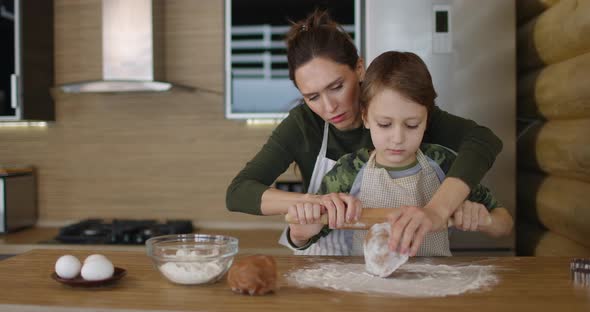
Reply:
x=411, y=280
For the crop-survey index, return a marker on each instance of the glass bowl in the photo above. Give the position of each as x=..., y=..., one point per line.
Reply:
x=192, y=259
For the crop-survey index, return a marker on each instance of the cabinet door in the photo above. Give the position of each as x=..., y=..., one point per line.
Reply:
x=36, y=61
x=27, y=76
x=7, y=58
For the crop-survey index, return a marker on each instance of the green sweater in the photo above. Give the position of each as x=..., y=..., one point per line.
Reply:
x=298, y=139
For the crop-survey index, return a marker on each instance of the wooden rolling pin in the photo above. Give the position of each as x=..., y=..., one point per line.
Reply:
x=369, y=217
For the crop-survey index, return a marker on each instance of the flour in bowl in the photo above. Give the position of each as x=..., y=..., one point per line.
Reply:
x=410, y=280
x=192, y=273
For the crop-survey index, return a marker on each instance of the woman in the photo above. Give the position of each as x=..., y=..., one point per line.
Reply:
x=324, y=65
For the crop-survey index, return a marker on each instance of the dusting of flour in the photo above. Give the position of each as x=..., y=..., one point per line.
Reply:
x=411, y=280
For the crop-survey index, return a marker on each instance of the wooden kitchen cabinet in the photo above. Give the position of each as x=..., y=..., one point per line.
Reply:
x=26, y=69
x=18, y=198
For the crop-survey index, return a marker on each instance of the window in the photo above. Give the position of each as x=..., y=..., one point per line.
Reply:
x=257, y=81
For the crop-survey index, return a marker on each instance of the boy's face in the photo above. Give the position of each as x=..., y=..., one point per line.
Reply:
x=397, y=125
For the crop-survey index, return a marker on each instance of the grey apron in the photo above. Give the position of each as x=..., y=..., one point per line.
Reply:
x=379, y=190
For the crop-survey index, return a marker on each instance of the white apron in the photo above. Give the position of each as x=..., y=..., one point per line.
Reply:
x=328, y=245
x=379, y=190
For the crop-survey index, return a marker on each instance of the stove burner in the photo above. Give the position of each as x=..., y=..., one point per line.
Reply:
x=90, y=232
x=120, y=231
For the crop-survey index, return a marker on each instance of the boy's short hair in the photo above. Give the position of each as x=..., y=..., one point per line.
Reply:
x=404, y=72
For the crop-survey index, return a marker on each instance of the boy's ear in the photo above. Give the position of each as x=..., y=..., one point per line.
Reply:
x=360, y=69
x=365, y=122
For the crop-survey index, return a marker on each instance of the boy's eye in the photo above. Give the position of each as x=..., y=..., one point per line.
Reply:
x=312, y=98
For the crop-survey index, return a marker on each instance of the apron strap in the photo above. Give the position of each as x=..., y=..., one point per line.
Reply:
x=324, y=147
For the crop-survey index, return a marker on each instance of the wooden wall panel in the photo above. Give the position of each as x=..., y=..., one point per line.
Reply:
x=560, y=33
x=143, y=155
x=560, y=204
x=553, y=99
x=559, y=147
x=528, y=9
x=536, y=241
x=558, y=91
x=555, y=245
x=78, y=46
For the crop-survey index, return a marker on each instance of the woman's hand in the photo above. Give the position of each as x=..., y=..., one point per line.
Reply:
x=409, y=226
x=341, y=208
x=471, y=216
x=308, y=215
x=306, y=212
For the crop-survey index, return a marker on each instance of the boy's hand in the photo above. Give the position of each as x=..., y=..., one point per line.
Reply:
x=409, y=226
x=471, y=216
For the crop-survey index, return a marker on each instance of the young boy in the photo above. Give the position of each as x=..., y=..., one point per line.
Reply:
x=397, y=96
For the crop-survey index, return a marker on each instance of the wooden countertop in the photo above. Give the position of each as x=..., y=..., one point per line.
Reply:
x=526, y=284
x=15, y=170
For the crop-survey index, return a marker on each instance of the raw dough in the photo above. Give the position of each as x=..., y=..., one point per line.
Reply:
x=379, y=260
x=253, y=275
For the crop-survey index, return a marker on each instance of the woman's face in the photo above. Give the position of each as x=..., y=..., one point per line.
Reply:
x=332, y=90
x=397, y=126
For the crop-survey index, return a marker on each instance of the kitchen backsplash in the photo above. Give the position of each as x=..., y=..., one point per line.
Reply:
x=144, y=155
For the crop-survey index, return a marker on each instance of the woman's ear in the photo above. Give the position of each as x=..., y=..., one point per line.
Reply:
x=360, y=69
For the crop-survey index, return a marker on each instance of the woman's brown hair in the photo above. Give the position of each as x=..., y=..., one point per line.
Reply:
x=404, y=72
x=318, y=35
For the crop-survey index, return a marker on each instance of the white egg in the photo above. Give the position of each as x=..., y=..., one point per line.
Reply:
x=67, y=267
x=98, y=269
x=94, y=257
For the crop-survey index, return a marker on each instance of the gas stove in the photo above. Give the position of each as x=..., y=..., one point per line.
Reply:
x=120, y=231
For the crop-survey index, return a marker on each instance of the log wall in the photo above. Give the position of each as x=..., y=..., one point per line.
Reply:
x=553, y=43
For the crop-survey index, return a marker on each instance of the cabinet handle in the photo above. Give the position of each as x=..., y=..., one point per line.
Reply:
x=14, y=91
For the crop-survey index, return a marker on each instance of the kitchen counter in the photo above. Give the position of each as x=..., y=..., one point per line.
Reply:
x=526, y=284
x=262, y=241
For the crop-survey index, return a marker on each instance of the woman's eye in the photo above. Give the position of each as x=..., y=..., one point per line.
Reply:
x=383, y=125
x=412, y=126
x=338, y=87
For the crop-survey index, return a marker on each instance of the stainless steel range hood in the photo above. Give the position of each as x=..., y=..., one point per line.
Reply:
x=131, y=54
